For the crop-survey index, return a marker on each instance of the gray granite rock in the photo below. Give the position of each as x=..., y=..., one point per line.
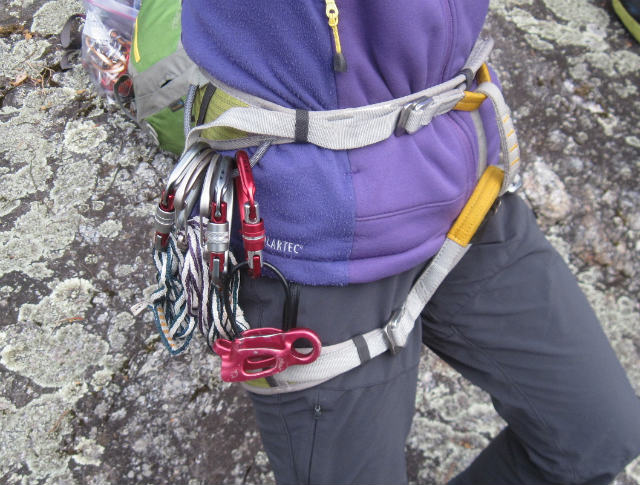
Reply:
x=88, y=395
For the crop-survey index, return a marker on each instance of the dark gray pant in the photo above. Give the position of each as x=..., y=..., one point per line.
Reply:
x=512, y=320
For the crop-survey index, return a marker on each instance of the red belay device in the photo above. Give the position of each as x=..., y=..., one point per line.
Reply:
x=198, y=278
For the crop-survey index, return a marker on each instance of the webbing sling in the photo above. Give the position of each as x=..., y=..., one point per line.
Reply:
x=343, y=129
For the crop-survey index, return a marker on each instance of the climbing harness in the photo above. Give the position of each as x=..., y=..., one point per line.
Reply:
x=270, y=361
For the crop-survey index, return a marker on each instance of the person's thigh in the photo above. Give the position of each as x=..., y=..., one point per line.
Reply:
x=353, y=428
x=512, y=319
x=325, y=436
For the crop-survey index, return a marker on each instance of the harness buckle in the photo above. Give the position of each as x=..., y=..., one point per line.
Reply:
x=392, y=333
x=515, y=184
x=412, y=108
x=263, y=352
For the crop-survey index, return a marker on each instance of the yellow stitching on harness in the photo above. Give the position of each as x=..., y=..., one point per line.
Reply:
x=515, y=161
x=476, y=208
x=513, y=148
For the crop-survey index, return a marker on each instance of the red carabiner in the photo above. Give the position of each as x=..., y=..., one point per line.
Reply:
x=245, y=185
x=263, y=352
x=253, y=233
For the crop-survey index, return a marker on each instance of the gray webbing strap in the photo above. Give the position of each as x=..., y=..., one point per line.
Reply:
x=508, y=138
x=339, y=358
x=340, y=129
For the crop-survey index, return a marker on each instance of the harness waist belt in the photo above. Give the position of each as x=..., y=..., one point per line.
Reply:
x=348, y=128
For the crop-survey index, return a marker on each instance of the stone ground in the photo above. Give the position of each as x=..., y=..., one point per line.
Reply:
x=88, y=395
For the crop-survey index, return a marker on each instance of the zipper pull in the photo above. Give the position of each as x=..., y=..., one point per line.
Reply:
x=339, y=62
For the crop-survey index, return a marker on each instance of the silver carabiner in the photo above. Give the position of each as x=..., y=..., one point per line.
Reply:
x=208, y=188
x=189, y=188
x=206, y=196
x=179, y=170
x=218, y=233
x=223, y=190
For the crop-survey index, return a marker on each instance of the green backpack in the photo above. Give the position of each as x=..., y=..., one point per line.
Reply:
x=125, y=47
x=161, y=72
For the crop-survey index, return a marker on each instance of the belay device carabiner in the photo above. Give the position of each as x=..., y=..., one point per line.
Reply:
x=253, y=234
x=260, y=352
x=263, y=352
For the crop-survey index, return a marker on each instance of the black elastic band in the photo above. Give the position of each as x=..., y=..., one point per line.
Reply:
x=469, y=75
x=362, y=348
x=302, y=126
x=271, y=381
x=204, y=106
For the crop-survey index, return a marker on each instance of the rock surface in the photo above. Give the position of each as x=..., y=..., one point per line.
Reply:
x=88, y=395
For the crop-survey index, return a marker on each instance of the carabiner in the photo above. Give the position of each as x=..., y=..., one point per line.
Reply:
x=188, y=190
x=262, y=352
x=165, y=210
x=218, y=233
x=253, y=233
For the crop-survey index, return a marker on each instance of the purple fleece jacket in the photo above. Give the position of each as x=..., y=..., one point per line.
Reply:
x=340, y=217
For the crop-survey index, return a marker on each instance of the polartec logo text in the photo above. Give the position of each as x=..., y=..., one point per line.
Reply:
x=286, y=247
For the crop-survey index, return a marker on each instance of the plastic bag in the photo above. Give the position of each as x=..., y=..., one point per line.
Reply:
x=106, y=42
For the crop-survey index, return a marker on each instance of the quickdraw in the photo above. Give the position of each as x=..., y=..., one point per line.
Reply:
x=198, y=279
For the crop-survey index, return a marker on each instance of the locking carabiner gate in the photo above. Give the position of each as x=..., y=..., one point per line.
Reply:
x=253, y=233
x=218, y=233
